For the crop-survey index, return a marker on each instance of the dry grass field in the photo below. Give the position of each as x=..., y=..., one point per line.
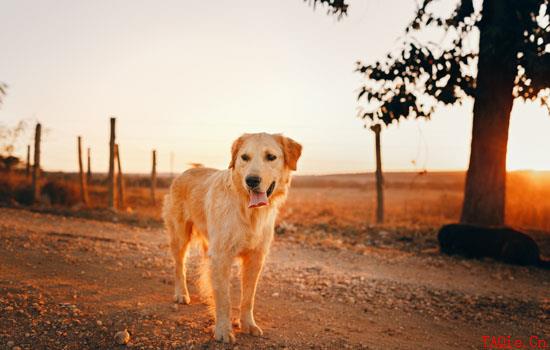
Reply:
x=332, y=209
x=345, y=201
x=425, y=199
x=348, y=200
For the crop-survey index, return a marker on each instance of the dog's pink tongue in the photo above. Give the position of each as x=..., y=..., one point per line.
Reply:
x=257, y=199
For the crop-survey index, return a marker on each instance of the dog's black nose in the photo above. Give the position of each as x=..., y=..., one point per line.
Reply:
x=253, y=181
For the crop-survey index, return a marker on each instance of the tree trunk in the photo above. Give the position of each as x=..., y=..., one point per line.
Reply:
x=484, y=195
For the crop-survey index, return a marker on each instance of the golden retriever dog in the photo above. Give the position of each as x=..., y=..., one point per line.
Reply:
x=232, y=212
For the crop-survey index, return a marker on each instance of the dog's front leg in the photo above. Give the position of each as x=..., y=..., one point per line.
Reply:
x=220, y=273
x=252, y=266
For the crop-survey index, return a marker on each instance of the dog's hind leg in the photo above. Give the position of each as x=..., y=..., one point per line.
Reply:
x=180, y=238
x=251, y=268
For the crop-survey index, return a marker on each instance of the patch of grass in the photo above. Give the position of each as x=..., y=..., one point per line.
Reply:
x=346, y=202
x=63, y=193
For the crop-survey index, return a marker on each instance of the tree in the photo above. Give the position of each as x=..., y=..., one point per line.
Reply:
x=7, y=163
x=512, y=60
x=9, y=138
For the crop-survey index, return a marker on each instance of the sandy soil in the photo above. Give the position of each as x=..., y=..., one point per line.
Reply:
x=70, y=283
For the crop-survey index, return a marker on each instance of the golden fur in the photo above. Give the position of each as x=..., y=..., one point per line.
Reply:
x=212, y=206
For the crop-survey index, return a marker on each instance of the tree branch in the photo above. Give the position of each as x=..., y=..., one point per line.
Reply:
x=338, y=8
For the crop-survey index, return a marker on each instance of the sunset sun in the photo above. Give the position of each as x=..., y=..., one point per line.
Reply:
x=529, y=141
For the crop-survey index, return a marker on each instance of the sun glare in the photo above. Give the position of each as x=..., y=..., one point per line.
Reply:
x=529, y=140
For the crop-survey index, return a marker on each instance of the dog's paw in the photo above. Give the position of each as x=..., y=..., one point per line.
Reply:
x=224, y=335
x=182, y=299
x=251, y=328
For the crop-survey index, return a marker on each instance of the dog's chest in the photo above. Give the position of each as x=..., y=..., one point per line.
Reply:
x=259, y=229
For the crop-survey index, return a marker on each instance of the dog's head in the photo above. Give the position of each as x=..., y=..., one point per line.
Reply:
x=261, y=164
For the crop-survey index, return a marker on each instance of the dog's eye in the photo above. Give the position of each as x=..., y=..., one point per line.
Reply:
x=271, y=157
x=245, y=157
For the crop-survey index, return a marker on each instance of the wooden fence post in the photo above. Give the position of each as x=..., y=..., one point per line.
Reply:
x=154, y=177
x=36, y=166
x=89, y=172
x=83, y=188
x=28, y=169
x=111, y=176
x=120, y=178
x=379, y=177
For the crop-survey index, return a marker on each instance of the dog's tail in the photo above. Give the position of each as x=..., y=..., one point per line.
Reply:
x=204, y=282
x=166, y=206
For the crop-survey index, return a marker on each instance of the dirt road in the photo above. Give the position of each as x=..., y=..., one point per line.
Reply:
x=73, y=283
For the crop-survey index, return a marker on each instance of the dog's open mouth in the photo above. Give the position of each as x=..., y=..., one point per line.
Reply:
x=259, y=199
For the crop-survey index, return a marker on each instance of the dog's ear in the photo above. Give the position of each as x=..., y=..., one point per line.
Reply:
x=235, y=149
x=292, y=151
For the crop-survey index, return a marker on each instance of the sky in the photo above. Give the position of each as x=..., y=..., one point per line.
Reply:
x=188, y=77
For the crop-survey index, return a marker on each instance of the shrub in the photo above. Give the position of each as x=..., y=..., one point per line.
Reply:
x=15, y=188
x=23, y=194
x=60, y=192
x=6, y=190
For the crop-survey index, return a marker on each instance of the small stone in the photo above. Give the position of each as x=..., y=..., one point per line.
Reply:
x=122, y=337
x=99, y=323
x=350, y=300
x=275, y=295
x=10, y=343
